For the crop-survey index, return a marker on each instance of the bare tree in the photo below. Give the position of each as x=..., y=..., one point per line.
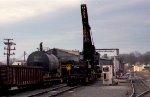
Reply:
x=135, y=57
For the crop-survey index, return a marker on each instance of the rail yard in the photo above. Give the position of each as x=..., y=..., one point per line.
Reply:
x=125, y=88
x=70, y=73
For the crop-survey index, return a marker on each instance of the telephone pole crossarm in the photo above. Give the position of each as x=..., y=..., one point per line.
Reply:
x=8, y=49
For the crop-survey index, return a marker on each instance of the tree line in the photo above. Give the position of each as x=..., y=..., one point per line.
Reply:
x=136, y=57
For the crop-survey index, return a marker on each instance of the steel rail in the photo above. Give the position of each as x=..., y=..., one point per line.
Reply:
x=141, y=94
x=46, y=91
x=55, y=94
x=64, y=91
x=146, y=84
x=133, y=89
x=145, y=92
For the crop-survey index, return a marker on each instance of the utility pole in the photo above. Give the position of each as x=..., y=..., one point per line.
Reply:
x=8, y=44
x=24, y=56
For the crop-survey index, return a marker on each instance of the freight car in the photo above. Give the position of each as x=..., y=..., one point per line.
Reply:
x=50, y=64
x=19, y=76
x=41, y=69
x=65, y=57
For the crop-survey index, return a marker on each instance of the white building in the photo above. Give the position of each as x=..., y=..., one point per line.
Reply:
x=138, y=67
x=116, y=64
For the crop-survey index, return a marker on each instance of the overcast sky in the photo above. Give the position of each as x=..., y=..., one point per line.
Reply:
x=123, y=24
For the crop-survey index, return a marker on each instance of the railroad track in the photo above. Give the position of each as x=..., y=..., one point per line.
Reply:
x=140, y=88
x=33, y=92
x=53, y=92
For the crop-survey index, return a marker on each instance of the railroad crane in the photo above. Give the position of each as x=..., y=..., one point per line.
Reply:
x=88, y=45
x=86, y=70
x=90, y=56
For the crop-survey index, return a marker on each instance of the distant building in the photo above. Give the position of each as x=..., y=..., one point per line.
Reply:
x=118, y=66
x=147, y=68
x=105, y=61
x=138, y=67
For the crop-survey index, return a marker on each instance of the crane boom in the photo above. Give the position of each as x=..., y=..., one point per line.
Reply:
x=86, y=26
x=88, y=47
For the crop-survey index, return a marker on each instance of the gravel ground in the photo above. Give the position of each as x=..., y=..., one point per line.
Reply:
x=98, y=90
x=145, y=75
x=148, y=81
x=147, y=95
x=28, y=93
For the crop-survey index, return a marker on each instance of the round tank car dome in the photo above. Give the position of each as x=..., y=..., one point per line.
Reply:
x=48, y=61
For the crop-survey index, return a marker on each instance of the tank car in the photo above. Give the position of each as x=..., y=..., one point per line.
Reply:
x=49, y=63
